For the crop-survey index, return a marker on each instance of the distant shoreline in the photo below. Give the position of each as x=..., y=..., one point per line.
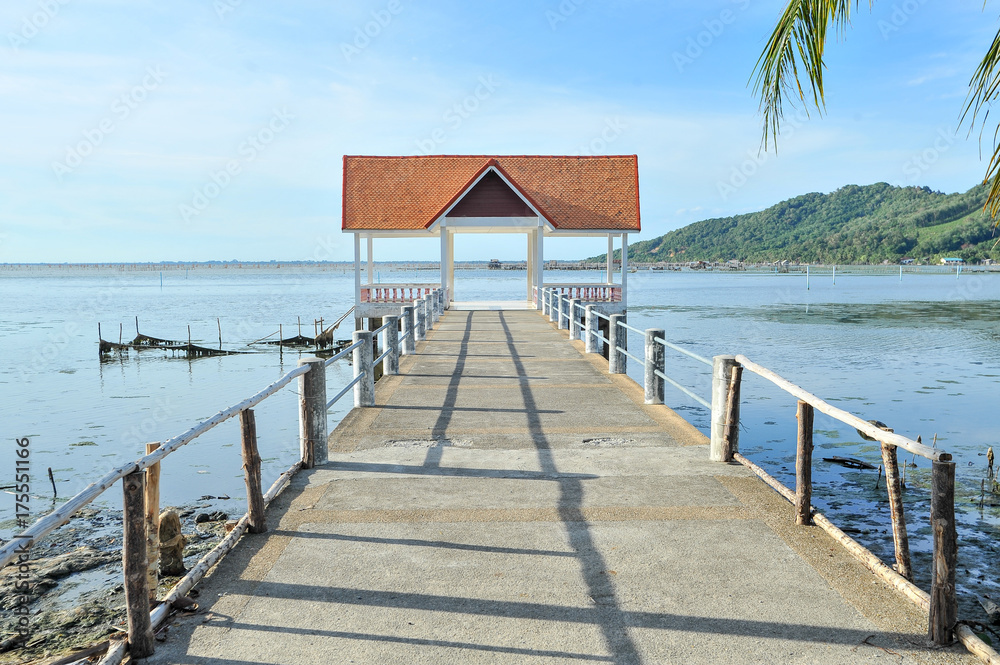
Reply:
x=515, y=265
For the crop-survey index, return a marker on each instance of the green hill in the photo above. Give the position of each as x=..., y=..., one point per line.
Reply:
x=855, y=224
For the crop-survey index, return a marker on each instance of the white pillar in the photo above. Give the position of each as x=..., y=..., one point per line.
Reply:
x=357, y=280
x=624, y=270
x=611, y=262
x=371, y=243
x=444, y=256
x=531, y=265
x=540, y=255
x=451, y=267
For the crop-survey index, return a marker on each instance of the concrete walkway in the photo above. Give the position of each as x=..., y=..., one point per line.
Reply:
x=507, y=501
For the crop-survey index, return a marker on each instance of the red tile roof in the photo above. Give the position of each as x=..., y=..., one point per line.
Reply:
x=410, y=193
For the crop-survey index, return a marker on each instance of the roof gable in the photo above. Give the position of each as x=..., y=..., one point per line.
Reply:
x=411, y=193
x=491, y=197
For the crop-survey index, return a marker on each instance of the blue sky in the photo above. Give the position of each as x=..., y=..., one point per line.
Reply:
x=214, y=129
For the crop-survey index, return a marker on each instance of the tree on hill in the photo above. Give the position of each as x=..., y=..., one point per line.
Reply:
x=854, y=224
x=797, y=47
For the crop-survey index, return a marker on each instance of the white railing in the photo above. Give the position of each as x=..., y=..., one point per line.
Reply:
x=395, y=293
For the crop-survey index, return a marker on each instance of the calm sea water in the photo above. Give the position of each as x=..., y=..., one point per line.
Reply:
x=921, y=354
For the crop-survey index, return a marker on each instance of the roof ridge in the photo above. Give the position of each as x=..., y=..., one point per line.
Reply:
x=492, y=156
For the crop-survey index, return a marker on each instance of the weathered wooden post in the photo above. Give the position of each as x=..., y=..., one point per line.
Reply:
x=574, y=321
x=420, y=322
x=251, y=471
x=803, y=464
x=364, y=390
x=725, y=409
x=590, y=342
x=544, y=296
x=390, y=342
x=409, y=341
x=312, y=412
x=552, y=305
x=152, y=510
x=440, y=303
x=617, y=337
x=893, y=486
x=944, y=606
x=140, y=630
x=655, y=362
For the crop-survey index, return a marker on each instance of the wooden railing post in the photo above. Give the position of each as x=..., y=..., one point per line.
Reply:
x=726, y=377
x=390, y=343
x=140, y=630
x=552, y=305
x=440, y=302
x=590, y=330
x=944, y=606
x=655, y=362
x=409, y=341
x=561, y=322
x=574, y=321
x=899, y=537
x=312, y=412
x=617, y=337
x=419, y=325
x=152, y=511
x=803, y=465
x=543, y=297
x=364, y=390
x=251, y=472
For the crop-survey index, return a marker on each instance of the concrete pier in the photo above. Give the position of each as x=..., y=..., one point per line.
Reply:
x=506, y=500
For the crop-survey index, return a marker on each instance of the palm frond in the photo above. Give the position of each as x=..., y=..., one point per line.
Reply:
x=797, y=44
x=984, y=88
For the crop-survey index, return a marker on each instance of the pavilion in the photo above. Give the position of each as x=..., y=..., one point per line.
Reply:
x=439, y=196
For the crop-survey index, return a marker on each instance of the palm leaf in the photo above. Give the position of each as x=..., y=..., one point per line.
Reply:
x=984, y=89
x=797, y=44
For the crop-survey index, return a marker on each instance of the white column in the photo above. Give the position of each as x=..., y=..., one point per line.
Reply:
x=371, y=243
x=451, y=267
x=444, y=255
x=624, y=270
x=357, y=272
x=540, y=255
x=531, y=264
x=611, y=262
